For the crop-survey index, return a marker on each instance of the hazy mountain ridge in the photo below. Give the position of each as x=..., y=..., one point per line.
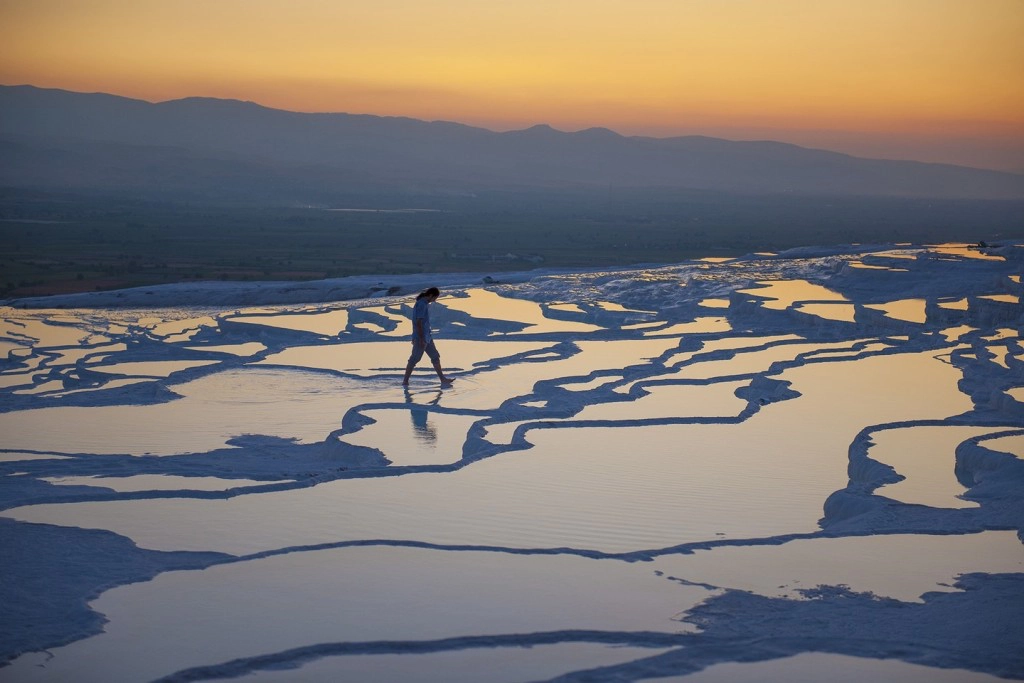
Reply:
x=229, y=148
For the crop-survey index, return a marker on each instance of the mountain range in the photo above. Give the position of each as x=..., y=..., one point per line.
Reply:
x=202, y=148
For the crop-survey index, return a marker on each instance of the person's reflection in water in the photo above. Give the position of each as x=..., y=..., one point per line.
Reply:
x=421, y=427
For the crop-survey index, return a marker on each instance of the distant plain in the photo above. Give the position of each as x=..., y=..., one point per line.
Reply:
x=54, y=243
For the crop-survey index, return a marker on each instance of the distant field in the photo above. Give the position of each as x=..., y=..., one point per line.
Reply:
x=58, y=244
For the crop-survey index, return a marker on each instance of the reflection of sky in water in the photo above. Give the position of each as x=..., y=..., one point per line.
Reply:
x=584, y=481
x=900, y=566
x=45, y=387
x=932, y=388
x=41, y=333
x=489, y=390
x=999, y=354
x=670, y=483
x=481, y=303
x=661, y=402
x=415, y=436
x=157, y=482
x=1003, y=298
x=329, y=324
x=865, y=348
x=954, y=333
x=212, y=409
x=781, y=294
x=491, y=664
x=400, y=319
x=152, y=626
x=1002, y=333
x=24, y=360
x=1012, y=445
x=818, y=666
x=619, y=308
x=750, y=361
x=705, y=325
x=905, y=255
x=867, y=266
x=729, y=343
x=669, y=401
x=16, y=456
x=371, y=358
x=8, y=381
x=177, y=330
x=958, y=305
x=71, y=356
x=963, y=251
x=592, y=384
x=112, y=384
x=841, y=312
x=925, y=456
x=151, y=368
x=7, y=347
x=246, y=349
x=909, y=310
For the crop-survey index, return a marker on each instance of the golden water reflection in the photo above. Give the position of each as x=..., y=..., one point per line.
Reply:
x=1002, y=298
x=812, y=667
x=163, y=368
x=962, y=250
x=925, y=457
x=416, y=436
x=899, y=566
x=329, y=324
x=909, y=310
x=187, y=619
x=485, y=304
x=287, y=404
x=1011, y=445
x=371, y=358
x=242, y=350
x=781, y=294
x=840, y=312
x=158, y=482
x=704, y=325
x=511, y=664
x=616, y=489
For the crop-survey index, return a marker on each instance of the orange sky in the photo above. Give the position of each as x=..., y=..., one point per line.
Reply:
x=930, y=79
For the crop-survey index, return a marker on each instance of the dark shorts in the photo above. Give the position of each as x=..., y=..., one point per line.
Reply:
x=418, y=350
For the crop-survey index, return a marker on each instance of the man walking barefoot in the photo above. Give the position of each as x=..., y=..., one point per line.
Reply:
x=422, y=342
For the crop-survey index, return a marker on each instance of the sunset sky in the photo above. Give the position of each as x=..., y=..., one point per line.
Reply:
x=936, y=80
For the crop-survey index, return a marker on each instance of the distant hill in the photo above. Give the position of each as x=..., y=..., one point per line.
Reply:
x=226, y=149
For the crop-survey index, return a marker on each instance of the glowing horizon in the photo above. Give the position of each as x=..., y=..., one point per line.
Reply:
x=939, y=80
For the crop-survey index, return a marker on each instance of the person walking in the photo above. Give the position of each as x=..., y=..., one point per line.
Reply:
x=422, y=341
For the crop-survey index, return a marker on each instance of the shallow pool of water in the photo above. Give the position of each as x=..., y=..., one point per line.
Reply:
x=190, y=618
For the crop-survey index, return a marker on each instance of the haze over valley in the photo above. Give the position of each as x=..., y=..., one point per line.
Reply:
x=100, y=191
x=202, y=148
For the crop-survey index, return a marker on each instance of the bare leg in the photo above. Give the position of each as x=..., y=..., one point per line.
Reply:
x=408, y=372
x=440, y=373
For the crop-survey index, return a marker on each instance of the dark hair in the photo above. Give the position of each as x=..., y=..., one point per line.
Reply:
x=429, y=292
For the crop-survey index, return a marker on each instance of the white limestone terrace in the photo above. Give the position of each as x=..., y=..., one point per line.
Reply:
x=806, y=464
